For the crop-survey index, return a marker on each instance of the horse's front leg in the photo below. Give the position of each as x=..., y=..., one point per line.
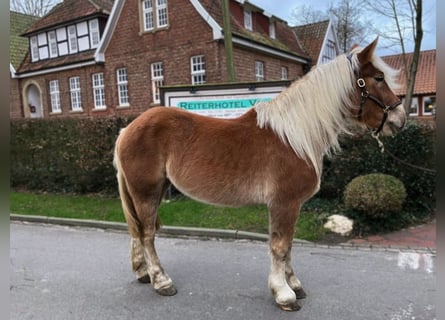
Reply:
x=292, y=279
x=281, y=233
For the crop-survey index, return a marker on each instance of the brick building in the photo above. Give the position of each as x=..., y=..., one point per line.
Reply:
x=423, y=104
x=98, y=58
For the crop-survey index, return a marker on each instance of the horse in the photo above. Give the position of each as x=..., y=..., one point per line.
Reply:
x=271, y=155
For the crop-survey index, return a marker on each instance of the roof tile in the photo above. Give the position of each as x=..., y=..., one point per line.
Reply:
x=426, y=72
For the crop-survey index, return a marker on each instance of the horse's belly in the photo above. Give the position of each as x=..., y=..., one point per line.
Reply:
x=222, y=189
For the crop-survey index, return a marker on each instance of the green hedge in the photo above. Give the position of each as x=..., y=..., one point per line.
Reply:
x=65, y=155
x=75, y=155
x=360, y=155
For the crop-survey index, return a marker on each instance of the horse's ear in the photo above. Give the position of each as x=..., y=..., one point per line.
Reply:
x=366, y=54
x=355, y=45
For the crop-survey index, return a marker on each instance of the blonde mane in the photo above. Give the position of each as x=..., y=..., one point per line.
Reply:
x=314, y=110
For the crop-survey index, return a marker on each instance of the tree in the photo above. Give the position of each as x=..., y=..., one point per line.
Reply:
x=306, y=14
x=346, y=16
x=348, y=21
x=407, y=18
x=36, y=8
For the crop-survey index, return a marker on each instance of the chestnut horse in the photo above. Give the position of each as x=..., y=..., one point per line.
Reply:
x=270, y=155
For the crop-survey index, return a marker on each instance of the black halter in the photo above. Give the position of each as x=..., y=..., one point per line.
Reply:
x=366, y=95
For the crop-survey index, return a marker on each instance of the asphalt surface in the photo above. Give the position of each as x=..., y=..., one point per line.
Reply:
x=65, y=272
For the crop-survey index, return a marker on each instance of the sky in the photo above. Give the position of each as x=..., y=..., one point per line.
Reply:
x=283, y=9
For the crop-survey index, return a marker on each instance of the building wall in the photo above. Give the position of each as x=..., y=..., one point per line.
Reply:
x=15, y=103
x=130, y=47
x=42, y=83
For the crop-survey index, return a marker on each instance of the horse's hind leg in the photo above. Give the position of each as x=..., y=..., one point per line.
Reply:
x=138, y=262
x=160, y=280
x=282, y=222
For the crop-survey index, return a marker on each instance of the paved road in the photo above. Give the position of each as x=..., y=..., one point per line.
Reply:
x=78, y=273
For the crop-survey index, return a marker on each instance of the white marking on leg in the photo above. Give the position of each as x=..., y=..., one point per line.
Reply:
x=278, y=285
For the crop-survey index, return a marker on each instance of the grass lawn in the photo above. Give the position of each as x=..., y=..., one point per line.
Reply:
x=181, y=212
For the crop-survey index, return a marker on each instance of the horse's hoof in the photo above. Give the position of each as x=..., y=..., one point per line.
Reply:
x=167, y=291
x=144, y=279
x=293, y=306
x=300, y=294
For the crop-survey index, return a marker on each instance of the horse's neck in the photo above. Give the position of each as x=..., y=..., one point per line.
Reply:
x=309, y=115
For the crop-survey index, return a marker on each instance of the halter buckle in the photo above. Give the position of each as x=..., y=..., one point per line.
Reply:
x=361, y=82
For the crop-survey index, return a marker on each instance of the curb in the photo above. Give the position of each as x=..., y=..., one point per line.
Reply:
x=163, y=231
x=206, y=233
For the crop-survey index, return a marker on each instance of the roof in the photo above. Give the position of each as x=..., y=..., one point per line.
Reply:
x=285, y=39
x=64, y=13
x=71, y=59
x=312, y=36
x=426, y=72
x=18, y=46
x=70, y=10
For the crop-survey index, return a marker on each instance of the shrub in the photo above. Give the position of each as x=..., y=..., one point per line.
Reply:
x=360, y=155
x=375, y=194
x=65, y=155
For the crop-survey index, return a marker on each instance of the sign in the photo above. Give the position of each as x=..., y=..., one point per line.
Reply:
x=221, y=101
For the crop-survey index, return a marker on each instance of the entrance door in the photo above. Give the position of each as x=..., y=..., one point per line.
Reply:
x=34, y=106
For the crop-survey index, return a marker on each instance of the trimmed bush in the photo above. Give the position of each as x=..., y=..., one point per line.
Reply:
x=375, y=194
x=360, y=155
x=65, y=155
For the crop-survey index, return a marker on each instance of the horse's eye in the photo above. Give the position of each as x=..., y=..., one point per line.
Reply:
x=379, y=78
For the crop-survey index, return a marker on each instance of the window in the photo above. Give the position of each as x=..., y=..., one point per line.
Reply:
x=157, y=80
x=429, y=105
x=329, y=52
x=122, y=86
x=259, y=70
x=198, y=69
x=94, y=33
x=248, y=20
x=72, y=37
x=414, y=109
x=99, y=91
x=34, y=49
x=152, y=20
x=284, y=73
x=76, y=102
x=272, y=32
x=55, y=96
x=161, y=13
x=52, y=44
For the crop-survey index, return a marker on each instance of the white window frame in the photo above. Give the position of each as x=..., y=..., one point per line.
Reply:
x=54, y=93
x=161, y=13
x=157, y=80
x=425, y=98
x=248, y=22
x=414, y=105
x=53, y=52
x=272, y=29
x=34, y=48
x=154, y=14
x=72, y=39
x=99, y=90
x=198, y=69
x=122, y=87
x=76, y=97
x=259, y=70
x=148, y=15
x=284, y=73
x=94, y=33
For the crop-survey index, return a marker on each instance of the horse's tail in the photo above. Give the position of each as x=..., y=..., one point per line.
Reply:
x=134, y=226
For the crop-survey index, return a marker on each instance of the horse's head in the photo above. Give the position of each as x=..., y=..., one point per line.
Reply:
x=379, y=108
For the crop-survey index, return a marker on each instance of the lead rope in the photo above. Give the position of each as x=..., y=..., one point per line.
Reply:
x=380, y=143
x=382, y=150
